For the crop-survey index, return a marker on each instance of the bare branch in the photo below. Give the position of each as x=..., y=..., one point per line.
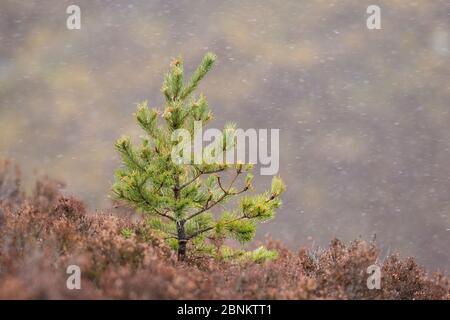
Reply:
x=239, y=192
x=190, y=181
x=199, y=173
x=220, y=184
x=225, y=193
x=165, y=215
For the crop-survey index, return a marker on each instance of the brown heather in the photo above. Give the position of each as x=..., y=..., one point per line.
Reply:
x=41, y=234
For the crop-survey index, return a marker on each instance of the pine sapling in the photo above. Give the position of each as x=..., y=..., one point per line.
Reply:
x=178, y=198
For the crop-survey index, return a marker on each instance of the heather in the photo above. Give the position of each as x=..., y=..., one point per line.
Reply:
x=44, y=231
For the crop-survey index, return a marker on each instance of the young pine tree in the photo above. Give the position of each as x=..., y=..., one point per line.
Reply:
x=178, y=197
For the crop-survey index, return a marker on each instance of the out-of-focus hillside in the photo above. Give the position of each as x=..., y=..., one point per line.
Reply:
x=365, y=141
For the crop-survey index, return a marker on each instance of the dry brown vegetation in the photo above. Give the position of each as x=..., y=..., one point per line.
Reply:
x=41, y=234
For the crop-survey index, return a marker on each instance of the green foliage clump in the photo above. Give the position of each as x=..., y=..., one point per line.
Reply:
x=126, y=233
x=179, y=198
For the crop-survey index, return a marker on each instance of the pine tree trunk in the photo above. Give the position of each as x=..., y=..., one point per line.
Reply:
x=181, y=250
x=181, y=241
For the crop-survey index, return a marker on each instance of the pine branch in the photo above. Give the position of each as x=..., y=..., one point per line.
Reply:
x=165, y=215
x=197, y=233
x=198, y=75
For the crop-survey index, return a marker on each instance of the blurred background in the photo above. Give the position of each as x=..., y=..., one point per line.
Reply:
x=363, y=114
